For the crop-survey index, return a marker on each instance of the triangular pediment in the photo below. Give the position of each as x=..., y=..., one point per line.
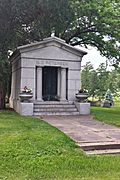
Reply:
x=51, y=52
x=51, y=48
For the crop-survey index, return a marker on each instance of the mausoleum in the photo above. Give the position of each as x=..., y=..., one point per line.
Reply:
x=51, y=68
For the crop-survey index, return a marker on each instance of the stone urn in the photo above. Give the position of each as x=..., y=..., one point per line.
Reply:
x=81, y=97
x=25, y=97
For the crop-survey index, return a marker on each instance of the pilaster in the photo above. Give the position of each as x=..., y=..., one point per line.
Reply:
x=39, y=83
x=63, y=84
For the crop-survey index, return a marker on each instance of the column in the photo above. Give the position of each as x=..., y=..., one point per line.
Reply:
x=63, y=84
x=80, y=77
x=58, y=82
x=39, y=83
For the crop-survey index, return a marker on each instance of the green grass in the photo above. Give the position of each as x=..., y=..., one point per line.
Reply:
x=108, y=115
x=30, y=149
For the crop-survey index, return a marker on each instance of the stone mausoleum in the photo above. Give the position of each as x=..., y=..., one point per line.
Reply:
x=51, y=68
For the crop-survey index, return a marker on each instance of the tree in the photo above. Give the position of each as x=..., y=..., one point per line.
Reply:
x=96, y=23
x=113, y=81
x=77, y=21
x=98, y=81
x=89, y=79
x=103, y=82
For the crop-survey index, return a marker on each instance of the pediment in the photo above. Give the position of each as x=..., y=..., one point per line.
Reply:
x=50, y=48
x=51, y=52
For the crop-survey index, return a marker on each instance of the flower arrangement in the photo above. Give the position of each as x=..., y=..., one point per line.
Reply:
x=26, y=90
x=82, y=91
x=82, y=95
x=26, y=94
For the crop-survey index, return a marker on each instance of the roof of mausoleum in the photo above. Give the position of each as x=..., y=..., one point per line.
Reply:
x=45, y=42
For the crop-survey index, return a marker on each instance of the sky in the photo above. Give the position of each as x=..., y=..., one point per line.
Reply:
x=93, y=56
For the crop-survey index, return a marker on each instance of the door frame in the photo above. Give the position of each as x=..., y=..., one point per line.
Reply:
x=50, y=97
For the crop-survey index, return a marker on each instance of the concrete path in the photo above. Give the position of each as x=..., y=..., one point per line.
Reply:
x=84, y=130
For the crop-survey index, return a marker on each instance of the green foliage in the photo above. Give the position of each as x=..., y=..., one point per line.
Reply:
x=89, y=79
x=114, y=81
x=31, y=149
x=25, y=21
x=103, y=82
x=98, y=81
x=88, y=22
x=97, y=23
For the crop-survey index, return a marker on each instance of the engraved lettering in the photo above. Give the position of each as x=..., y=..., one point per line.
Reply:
x=51, y=63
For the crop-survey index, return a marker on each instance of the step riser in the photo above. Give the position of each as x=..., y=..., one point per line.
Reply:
x=54, y=110
x=53, y=102
x=101, y=147
x=103, y=153
x=56, y=113
x=54, y=106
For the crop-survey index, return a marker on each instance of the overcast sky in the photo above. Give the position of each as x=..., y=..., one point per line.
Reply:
x=93, y=56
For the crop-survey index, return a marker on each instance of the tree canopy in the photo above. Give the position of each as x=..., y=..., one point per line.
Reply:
x=97, y=24
x=83, y=22
x=98, y=81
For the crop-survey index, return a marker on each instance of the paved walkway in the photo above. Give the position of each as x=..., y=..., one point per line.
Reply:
x=84, y=129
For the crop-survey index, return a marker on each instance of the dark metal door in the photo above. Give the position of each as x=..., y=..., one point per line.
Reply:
x=49, y=83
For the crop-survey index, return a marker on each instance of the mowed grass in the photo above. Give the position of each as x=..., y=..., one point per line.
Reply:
x=108, y=115
x=30, y=149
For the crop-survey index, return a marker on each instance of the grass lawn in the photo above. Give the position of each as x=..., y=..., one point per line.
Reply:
x=108, y=115
x=30, y=149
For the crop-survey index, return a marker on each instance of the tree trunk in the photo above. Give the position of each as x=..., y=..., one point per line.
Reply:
x=2, y=96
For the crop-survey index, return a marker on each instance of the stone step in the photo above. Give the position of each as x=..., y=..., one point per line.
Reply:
x=54, y=106
x=54, y=109
x=99, y=146
x=55, y=113
x=103, y=152
x=52, y=102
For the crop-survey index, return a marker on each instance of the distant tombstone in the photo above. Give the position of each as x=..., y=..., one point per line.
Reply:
x=108, y=101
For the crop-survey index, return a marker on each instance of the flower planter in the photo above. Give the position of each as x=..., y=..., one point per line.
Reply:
x=81, y=97
x=25, y=97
